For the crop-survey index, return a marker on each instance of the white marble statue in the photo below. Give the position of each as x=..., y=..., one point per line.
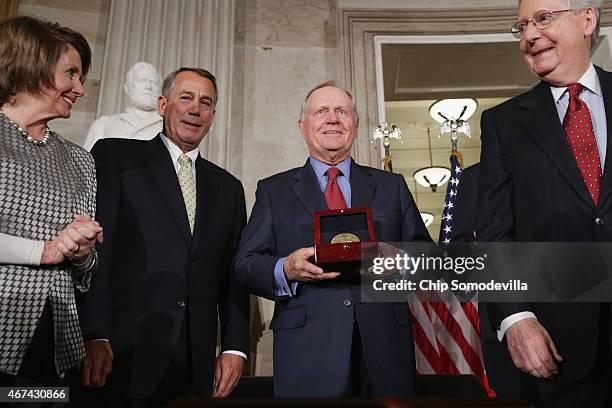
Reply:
x=140, y=119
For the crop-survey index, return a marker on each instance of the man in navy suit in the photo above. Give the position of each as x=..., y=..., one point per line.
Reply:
x=540, y=182
x=326, y=342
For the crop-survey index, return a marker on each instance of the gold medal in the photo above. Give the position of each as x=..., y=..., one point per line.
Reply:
x=344, y=238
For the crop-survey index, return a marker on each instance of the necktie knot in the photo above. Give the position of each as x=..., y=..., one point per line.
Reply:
x=333, y=193
x=184, y=160
x=574, y=90
x=333, y=172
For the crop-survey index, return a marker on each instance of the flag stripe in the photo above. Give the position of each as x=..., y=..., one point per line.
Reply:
x=447, y=362
x=423, y=367
x=431, y=355
x=471, y=311
x=420, y=311
x=455, y=331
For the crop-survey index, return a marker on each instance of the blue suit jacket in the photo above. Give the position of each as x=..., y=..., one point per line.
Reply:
x=313, y=329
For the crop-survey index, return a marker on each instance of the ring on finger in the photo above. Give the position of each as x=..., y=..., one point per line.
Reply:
x=75, y=249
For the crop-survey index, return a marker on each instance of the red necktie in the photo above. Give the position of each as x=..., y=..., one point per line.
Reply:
x=333, y=194
x=581, y=137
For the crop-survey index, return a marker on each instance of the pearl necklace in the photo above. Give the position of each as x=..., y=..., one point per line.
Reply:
x=27, y=136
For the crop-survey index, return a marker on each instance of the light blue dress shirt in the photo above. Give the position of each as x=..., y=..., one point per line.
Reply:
x=344, y=182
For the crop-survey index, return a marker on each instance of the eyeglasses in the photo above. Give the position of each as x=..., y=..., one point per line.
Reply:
x=541, y=20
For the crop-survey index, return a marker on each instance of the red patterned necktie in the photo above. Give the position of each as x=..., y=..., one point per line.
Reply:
x=581, y=137
x=333, y=194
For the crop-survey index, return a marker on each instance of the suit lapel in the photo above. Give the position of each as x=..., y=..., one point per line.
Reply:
x=605, y=80
x=307, y=189
x=163, y=172
x=541, y=122
x=207, y=196
x=363, y=186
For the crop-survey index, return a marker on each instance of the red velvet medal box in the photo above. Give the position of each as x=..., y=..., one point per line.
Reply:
x=330, y=223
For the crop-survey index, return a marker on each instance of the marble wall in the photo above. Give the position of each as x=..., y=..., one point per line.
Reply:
x=282, y=48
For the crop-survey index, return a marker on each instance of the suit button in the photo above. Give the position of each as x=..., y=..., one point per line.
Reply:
x=192, y=263
x=180, y=303
x=598, y=221
x=347, y=302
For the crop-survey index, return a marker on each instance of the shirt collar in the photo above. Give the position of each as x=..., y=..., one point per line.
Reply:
x=320, y=168
x=589, y=80
x=175, y=151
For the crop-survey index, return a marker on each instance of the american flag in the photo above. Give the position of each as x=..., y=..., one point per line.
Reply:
x=447, y=332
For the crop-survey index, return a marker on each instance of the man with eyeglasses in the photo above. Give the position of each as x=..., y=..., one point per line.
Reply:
x=543, y=162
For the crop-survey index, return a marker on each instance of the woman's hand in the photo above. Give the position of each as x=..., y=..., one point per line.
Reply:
x=74, y=242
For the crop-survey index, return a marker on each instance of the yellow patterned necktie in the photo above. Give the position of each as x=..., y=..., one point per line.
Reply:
x=188, y=187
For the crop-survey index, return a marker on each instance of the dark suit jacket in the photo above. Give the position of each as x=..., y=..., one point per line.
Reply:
x=466, y=205
x=313, y=330
x=503, y=376
x=153, y=274
x=531, y=191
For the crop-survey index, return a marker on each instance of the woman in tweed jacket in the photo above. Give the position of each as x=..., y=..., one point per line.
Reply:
x=47, y=201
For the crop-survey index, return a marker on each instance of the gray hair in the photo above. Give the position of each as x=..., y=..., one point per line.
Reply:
x=171, y=79
x=323, y=85
x=582, y=4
